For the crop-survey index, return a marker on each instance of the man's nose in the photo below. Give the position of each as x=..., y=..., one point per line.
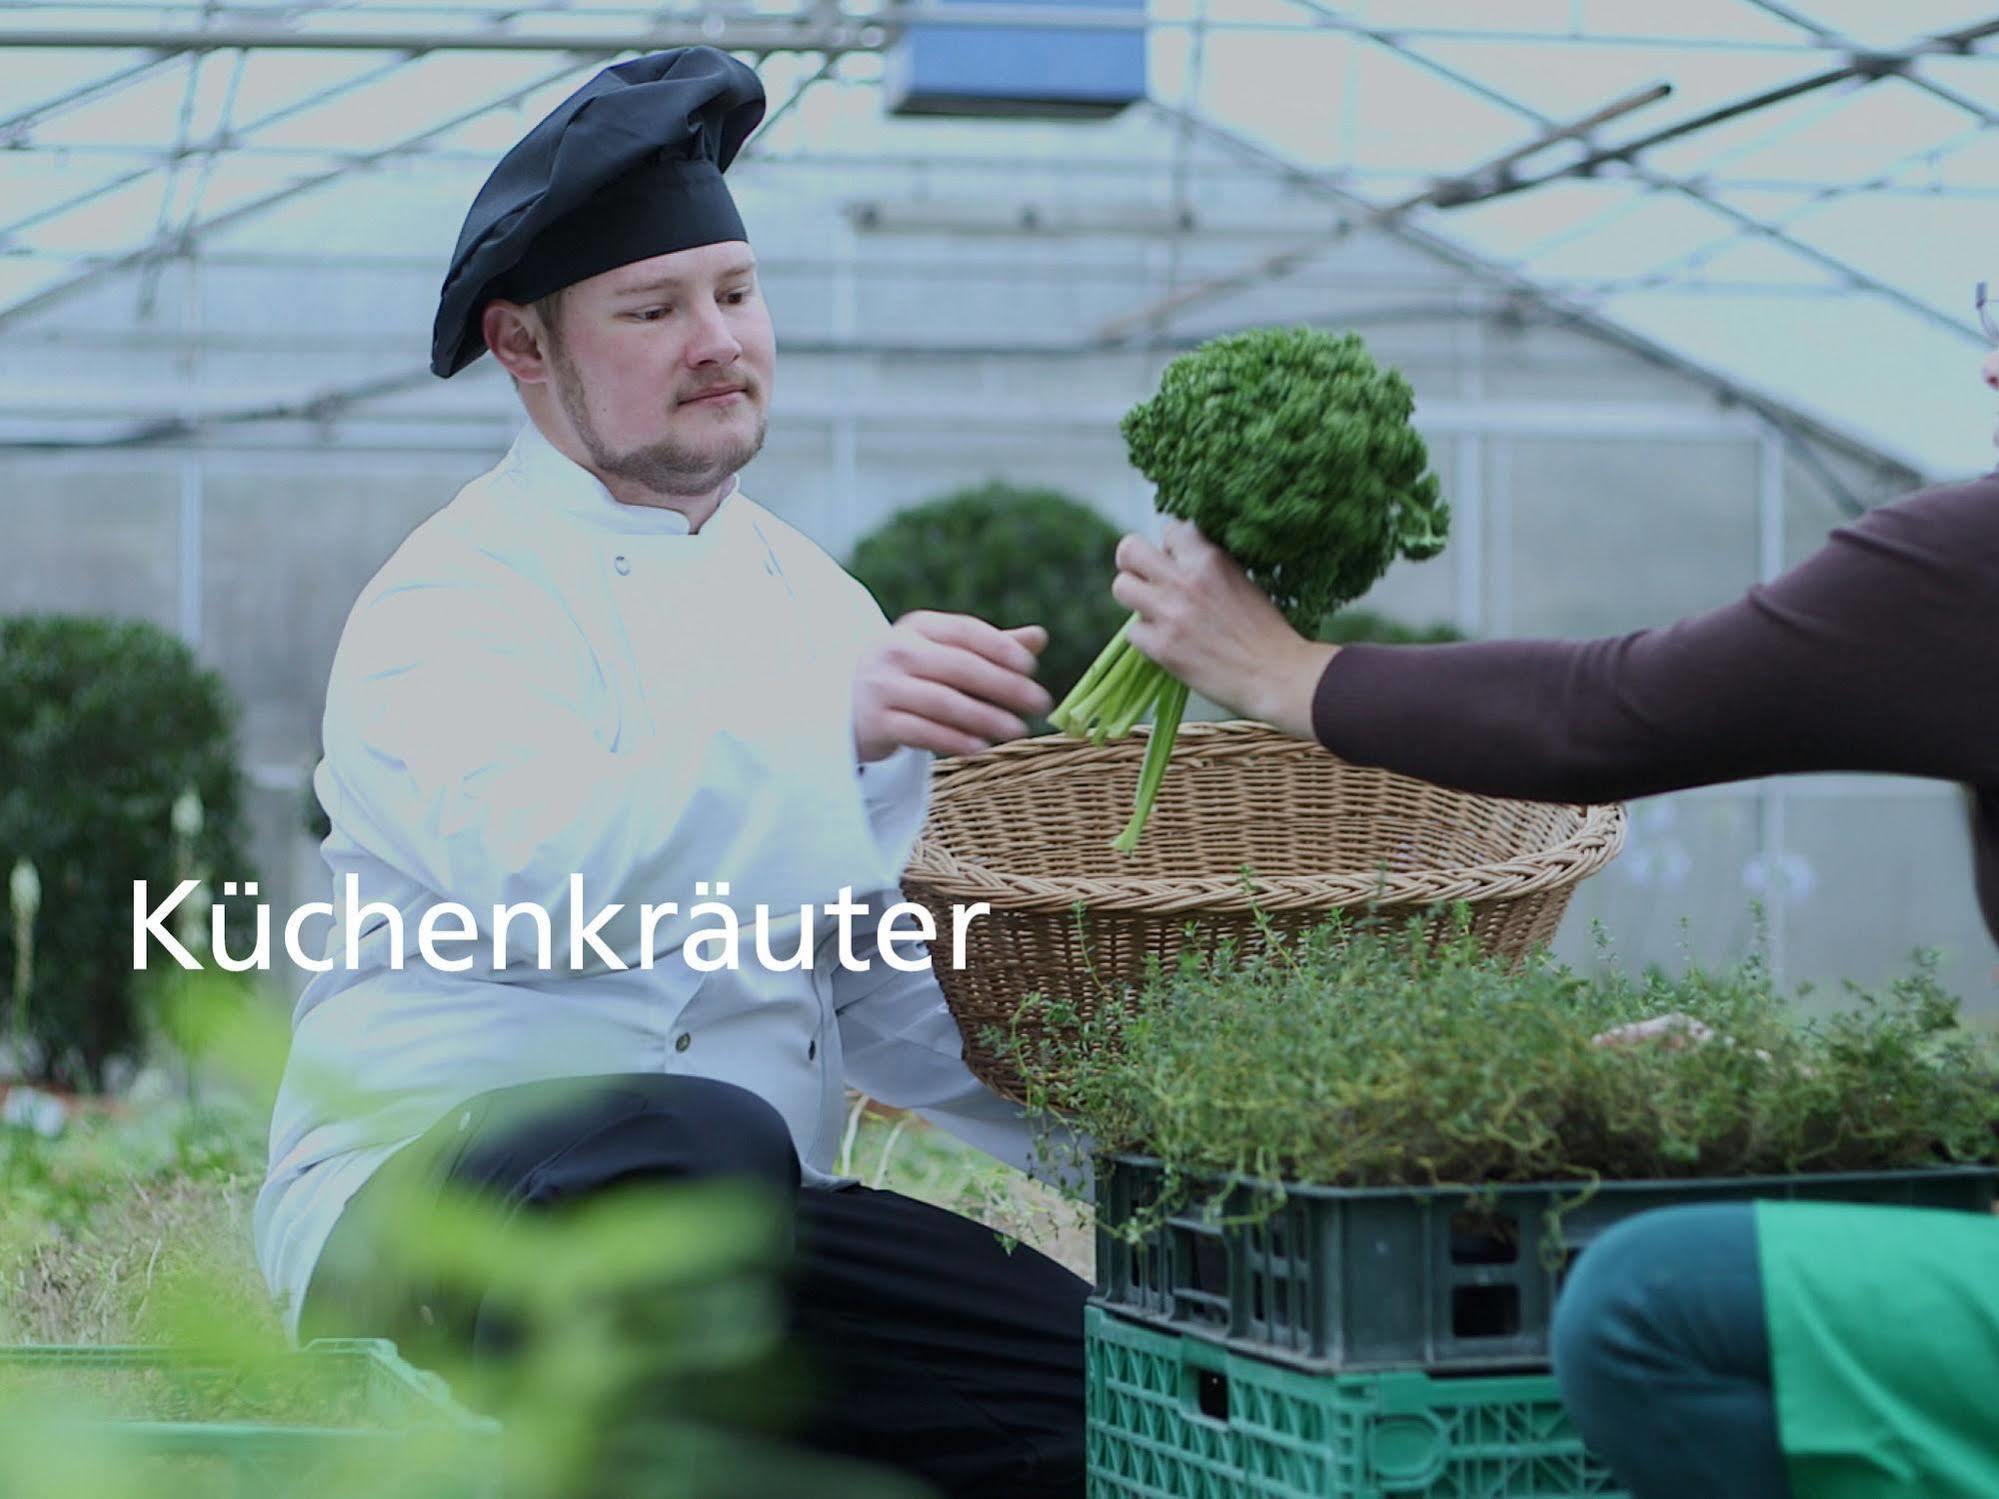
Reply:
x=1989, y=370
x=714, y=342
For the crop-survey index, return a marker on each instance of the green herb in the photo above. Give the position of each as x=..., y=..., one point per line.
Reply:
x=1359, y=1054
x=1291, y=450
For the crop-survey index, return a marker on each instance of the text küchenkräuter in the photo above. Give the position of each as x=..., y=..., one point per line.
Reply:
x=714, y=945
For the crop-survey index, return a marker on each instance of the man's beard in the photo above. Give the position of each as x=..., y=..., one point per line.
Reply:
x=666, y=467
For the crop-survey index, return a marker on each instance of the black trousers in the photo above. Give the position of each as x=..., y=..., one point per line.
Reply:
x=930, y=1345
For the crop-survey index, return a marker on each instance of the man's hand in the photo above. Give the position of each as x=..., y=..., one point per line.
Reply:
x=1203, y=620
x=948, y=683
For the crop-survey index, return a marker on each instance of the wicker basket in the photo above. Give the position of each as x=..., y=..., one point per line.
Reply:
x=1026, y=828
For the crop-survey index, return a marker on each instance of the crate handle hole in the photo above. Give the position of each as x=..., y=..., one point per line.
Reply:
x=1203, y=1260
x=1482, y=1239
x=1211, y=1393
x=1485, y=1311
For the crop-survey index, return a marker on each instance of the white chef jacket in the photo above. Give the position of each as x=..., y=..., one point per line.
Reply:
x=541, y=682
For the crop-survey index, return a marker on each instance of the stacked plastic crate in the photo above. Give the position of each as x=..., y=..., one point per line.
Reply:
x=1367, y=1343
x=337, y=1419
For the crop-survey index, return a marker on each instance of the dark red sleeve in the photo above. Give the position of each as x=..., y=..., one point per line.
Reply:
x=1880, y=652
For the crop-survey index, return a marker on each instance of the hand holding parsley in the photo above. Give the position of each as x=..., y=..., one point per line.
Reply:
x=1292, y=451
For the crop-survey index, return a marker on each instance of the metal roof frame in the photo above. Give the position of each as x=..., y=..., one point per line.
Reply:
x=182, y=244
x=827, y=29
x=1863, y=71
x=824, y=28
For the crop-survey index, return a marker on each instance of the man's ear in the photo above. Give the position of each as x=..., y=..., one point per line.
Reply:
x=517, y=338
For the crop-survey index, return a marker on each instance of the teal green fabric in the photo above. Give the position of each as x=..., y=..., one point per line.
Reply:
x=1662, y=1359
x=1884, y=1344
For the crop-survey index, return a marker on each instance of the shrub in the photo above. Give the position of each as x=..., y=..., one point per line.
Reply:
x=104, y=724
x=1011, y=556
x=312, y=816
x=1349, y=626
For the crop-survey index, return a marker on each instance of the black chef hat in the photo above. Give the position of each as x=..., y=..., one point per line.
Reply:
x=627, y=167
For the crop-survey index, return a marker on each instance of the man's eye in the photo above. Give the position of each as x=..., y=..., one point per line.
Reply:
x=653, y=314
x=739, y=296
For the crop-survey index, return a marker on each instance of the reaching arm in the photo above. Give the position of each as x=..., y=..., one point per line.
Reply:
x=1880, y=652
x=1877, y=653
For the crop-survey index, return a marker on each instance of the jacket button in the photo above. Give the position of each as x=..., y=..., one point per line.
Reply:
x=683, y=1042
x=622, y=563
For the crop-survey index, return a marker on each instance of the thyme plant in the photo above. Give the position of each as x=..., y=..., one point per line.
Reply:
x=1366, y=1054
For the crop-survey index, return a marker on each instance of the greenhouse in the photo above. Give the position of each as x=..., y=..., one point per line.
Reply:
x=1682, y=296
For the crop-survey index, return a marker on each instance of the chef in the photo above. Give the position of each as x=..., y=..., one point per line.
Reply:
x=604, y=673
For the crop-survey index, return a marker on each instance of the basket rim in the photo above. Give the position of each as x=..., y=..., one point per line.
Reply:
x=1596, y=839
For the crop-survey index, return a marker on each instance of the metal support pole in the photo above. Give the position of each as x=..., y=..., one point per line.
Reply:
x=191, y=519
x=1468, y=521
x=1499, y=540
x=1769, y=507
x=1468, y=504
x=1779, y=875
x=845, y=428
x=731, y=34
x=192, y=487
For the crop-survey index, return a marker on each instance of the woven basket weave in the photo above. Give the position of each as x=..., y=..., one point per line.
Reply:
x=1026, y=828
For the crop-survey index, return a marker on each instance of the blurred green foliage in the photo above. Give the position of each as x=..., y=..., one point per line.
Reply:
x=650, y=1363
x=312, y=815
x=104, y=724
x=1350, y=626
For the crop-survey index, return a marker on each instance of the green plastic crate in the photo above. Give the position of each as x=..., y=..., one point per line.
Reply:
x=1355, y=1279
x=338, y=1419
x=1173, y=1417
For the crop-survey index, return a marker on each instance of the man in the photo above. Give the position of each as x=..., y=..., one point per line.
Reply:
x=604, y=677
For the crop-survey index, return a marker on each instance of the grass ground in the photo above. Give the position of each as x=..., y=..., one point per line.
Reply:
x=107, y=1229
